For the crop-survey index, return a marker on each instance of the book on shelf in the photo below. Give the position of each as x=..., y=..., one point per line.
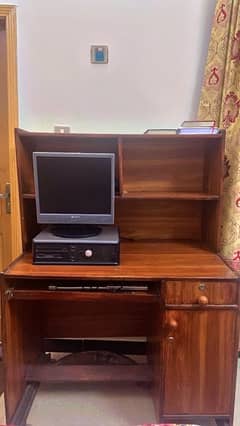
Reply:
x=160, y=132
x=198, y=123
x=198, y=130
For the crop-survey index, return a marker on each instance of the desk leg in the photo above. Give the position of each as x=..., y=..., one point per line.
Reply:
x=155, y=357
x=19, y=348
x=12, y=355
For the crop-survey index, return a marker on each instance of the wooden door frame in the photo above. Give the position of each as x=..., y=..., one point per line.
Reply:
x=9, y=13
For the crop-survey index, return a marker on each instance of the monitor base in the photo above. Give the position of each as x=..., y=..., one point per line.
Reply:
x=75, y=231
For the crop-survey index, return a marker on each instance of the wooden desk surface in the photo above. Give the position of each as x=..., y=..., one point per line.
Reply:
x=138, y=261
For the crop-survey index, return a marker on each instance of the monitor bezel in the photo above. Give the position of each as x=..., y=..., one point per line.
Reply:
x=68, y=218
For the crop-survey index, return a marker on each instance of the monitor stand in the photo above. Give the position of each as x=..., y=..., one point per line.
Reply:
x=76, y=231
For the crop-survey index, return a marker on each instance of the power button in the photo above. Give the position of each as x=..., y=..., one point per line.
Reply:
x=88, y=253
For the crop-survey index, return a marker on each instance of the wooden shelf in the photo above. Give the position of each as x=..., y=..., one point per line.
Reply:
x=154, y=195
x=170, y=195
x=139, y=260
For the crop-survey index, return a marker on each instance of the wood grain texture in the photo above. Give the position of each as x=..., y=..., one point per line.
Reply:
x=158, y=219
x=156, y=355
x=138, y=260
x=213, y=184
x=199, y=360
x=168, y=208
x=12, y=339
x=211, y=225
x=22, y=345
x=32, y=331
x=190, y=292
x=153, y=219
x=103, y=319
x=214, y=172
x=5, y=219
x=9, y=61
x=149, y=175
x=89, y=373
x=120, y=160
x=152, y=166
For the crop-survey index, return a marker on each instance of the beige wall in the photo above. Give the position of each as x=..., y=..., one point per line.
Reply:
x=157, y=54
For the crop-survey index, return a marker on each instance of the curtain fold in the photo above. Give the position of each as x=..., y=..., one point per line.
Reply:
x=220, y=101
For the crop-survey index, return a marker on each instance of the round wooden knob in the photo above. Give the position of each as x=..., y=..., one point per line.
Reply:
x=173, y=324
x=203, y=300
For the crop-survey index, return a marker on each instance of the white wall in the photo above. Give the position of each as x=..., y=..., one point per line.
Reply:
x=157, y=54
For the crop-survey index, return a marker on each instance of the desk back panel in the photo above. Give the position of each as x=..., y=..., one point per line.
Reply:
x=167, y=186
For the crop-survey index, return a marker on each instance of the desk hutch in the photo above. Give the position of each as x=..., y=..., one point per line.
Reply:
x=168, y=210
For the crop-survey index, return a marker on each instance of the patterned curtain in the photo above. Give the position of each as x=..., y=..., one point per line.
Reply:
x=220, y=101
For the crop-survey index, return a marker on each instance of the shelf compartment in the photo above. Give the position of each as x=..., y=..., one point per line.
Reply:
x=159, y=219
x=155, y=166
x=29, y=142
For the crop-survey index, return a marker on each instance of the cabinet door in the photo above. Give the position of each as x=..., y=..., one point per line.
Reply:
x=200, y=353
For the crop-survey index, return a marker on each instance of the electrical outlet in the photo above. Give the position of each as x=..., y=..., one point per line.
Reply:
x=62, y=129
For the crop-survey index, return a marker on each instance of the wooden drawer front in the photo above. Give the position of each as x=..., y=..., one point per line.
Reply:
x=201, y=292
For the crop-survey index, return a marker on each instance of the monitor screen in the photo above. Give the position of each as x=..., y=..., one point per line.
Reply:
x=74, y=188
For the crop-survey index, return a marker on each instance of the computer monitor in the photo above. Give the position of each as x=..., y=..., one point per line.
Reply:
x=74, y=191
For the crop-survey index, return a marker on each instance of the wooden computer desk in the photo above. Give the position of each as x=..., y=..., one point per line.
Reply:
x=168, y=209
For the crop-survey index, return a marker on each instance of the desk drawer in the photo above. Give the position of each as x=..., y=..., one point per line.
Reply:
x=201, y=292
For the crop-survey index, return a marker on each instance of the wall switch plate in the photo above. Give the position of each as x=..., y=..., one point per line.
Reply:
x=62, y=129
x=99, y=54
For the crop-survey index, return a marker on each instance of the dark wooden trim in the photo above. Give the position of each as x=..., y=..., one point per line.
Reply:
x=134, y=137
x=88, y=373
x=80, y=345
x=221, y=420
x=202, y=307
x=20, y=416
x=80, y=296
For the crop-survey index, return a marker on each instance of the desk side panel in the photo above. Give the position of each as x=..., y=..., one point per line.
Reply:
x=21, y=345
